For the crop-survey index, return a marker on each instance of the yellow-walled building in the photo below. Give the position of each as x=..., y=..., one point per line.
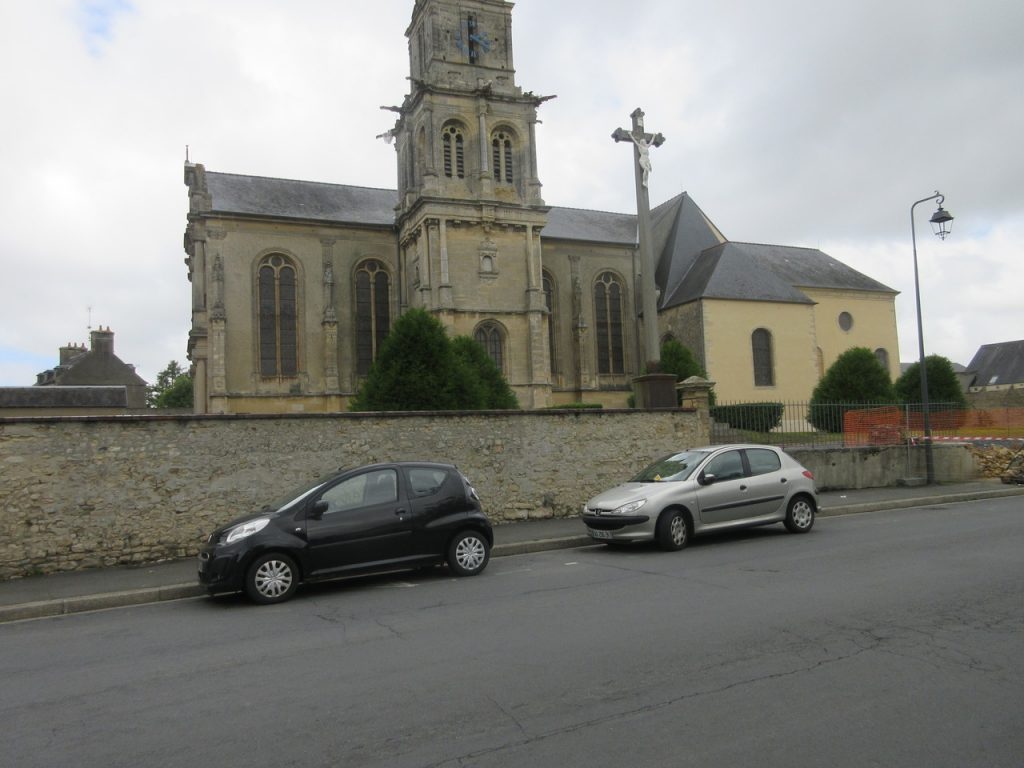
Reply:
x=295, y=284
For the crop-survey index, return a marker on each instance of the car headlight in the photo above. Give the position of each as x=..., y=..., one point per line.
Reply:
x=629, y=509
x=244, y=530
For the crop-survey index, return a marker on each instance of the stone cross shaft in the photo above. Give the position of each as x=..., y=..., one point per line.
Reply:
x=642, y=143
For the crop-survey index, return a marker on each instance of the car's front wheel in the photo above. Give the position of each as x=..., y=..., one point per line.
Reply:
x=673, y=532
x=272, y=578
x=799, y=515
x=468, y=553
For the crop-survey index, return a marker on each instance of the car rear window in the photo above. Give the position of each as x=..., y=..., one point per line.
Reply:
x=762, y=461
x=425, y=481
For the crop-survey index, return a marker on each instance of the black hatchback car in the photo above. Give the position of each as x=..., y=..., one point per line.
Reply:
x=380, y=517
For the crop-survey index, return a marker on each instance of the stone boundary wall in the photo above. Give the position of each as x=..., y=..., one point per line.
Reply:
x=884, y=466
x=99, y=491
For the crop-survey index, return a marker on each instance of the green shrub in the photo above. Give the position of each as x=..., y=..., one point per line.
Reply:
x=417, y=370
x=497, y=393
x=943, y=386
x=855, y=380
x=750, y=417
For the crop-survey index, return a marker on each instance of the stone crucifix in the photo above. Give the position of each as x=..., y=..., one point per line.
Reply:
x=642, y=143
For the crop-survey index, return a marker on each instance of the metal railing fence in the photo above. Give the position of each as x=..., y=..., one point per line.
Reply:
x=805, y=424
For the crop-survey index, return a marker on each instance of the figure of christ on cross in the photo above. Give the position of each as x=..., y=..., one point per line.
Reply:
x=642, y=143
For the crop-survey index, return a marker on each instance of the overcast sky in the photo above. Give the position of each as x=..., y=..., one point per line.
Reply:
x=795, y=122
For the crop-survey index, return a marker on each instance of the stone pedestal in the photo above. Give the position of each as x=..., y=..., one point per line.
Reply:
x=695, y=393
x=655, y=390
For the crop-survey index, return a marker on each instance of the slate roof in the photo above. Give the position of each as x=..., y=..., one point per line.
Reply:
x=698, y=262
x=1001, y=363
x=64, y=397
x=590, y=226
x=694, y=259
x=232, y=193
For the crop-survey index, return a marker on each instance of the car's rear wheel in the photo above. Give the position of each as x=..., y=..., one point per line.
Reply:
x=799, y=515
x=672, y=532
x=468, y=553
x=272, y=578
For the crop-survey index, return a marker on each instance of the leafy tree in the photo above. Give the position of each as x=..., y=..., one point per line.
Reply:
x=943, y=386
x=498, y=394
x=173, y=388
x=856, y=378
x=677, y=359
x=178, y=395
x=417, y=370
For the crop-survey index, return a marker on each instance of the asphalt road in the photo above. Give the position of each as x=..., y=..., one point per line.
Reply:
x=885, y=639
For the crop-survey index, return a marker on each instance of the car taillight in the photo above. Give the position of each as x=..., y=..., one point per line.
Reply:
x=808, y=474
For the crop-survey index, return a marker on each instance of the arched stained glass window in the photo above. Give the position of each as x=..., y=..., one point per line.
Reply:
x=490, y=336
x=883, y=357
x=373, y=312
x=549, y=303
x=764, y=363
x=608, y=313
x=278, y=313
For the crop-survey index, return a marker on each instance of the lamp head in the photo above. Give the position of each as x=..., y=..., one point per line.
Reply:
x=942, y=222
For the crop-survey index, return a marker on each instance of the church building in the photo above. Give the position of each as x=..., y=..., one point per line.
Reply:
x=295, y=284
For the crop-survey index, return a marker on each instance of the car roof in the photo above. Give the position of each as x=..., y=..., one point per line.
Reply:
x=381, y=464
x=732, y=446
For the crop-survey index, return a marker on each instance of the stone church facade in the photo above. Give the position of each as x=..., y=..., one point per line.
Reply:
x=295, y=284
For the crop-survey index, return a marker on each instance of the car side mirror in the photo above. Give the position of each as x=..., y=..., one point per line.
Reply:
x=318, y=509
x=707, y=479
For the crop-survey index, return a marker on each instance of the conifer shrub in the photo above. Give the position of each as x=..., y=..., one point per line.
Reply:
x=419, y=368
x=854, y=381
x=943, y=387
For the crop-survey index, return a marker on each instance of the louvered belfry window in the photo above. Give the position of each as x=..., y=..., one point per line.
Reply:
x=608, y=319
x=373, y=312
x=501, y=157
x=277, y=318
x=453, y=152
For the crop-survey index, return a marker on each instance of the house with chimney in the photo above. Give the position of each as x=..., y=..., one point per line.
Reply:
x=85, y=381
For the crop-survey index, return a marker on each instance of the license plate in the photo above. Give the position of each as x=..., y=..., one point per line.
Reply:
x=599, y=534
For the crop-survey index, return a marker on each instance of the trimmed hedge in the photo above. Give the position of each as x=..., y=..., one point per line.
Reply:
x=752, y=417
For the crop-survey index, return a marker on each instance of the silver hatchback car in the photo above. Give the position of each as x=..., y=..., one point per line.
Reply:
x=705, y=489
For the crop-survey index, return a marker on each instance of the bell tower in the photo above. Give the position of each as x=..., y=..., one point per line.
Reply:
x=470, y=210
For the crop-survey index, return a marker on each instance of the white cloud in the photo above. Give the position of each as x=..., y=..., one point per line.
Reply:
x=795, y=122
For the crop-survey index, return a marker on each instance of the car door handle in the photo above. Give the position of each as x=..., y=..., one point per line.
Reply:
x=743, y=487
x=400, y=511
x=784, y=480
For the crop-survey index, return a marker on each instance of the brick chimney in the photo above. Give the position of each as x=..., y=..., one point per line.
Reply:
x=70, y=351
x=101, y=341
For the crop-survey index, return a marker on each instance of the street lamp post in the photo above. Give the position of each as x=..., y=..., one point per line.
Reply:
x=941, y=224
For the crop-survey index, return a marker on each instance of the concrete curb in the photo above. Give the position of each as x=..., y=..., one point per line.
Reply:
x=932, y=501
x=541, y=545
x=68, y=605
x=79, y=604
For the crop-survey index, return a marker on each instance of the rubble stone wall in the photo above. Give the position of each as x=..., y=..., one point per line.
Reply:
x=98, y=491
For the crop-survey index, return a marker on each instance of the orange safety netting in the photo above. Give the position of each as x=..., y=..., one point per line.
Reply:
x=891, y=425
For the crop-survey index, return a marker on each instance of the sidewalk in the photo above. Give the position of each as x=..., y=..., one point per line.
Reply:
x=57, y=594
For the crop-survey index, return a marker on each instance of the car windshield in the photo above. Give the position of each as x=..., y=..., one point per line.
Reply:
x=674, y=467
x=298, y=493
